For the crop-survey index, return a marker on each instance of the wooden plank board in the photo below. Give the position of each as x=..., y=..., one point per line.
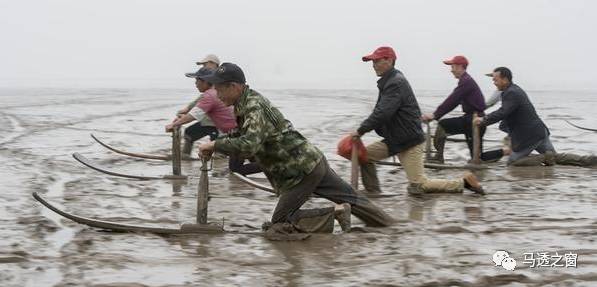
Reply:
x=440, y=166
x=108, y=225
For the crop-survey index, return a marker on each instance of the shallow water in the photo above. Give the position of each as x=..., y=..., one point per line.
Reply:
x=441, y=240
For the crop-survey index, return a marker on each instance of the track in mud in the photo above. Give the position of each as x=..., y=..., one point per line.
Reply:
x=440, y=240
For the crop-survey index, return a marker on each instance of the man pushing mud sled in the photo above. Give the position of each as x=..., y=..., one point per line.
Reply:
x=296, y=168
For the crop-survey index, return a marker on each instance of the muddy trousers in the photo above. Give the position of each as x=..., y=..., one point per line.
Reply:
x=325, y=183
x=461, y=125
x=576, y=160
x=412, y=162
x=197, y=131
x=523, y=158
x=548, y=156
x=558, y=158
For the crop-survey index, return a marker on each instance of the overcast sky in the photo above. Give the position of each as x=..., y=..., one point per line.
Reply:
x=294, y=44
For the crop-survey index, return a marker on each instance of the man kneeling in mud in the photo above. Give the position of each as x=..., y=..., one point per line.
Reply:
x=295, y=168
x=397, y=118
x=525, y=128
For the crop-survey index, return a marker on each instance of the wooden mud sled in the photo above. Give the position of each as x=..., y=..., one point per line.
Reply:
x=176, y=158
x=475, y=163
x=200, y=226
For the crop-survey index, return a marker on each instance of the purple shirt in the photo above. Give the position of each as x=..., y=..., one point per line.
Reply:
x=467, y=94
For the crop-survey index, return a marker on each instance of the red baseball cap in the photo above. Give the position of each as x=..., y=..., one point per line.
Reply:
x=458, y=60
x=381, y=53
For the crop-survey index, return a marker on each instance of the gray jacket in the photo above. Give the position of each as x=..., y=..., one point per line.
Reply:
x=519, y=116
x=396, y=116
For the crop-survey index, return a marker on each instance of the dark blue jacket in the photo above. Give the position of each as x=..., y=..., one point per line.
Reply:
x=519, y=116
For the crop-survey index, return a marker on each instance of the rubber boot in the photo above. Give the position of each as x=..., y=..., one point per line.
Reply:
x=439, y=141
x=187, y=147
x=369, y=177
x=342, y=215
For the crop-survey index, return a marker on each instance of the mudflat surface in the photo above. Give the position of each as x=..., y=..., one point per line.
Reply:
x=440, y=240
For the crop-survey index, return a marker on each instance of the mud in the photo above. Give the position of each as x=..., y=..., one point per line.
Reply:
x=440, y=240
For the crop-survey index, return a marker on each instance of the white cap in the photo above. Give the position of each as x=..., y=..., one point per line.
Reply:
x=209, y=58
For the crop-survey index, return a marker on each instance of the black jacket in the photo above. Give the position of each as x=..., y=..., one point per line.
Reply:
x=396, y=117
x=519, y=116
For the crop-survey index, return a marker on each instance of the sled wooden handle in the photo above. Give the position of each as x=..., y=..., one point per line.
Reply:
x=476, y=141
x=428, y=142
x=354, y=174
x=203, y=192
x=176, y=151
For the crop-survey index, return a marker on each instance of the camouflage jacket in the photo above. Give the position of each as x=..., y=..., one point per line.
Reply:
x=285, y=156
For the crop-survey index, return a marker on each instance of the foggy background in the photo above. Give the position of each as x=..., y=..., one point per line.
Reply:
x=294, y=44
